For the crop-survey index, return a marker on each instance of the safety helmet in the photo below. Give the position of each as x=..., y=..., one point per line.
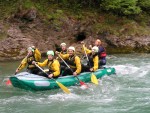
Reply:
x=33, y=47
x=63, y=44
x=50, y=52
x=95, y=49
x=71, y=48
x=30, y=49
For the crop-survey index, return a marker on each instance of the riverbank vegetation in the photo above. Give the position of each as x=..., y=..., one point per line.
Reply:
x=117, y=17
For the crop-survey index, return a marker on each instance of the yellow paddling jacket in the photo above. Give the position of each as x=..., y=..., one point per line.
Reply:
x=93, y=59
x=37, y=54
x=28, y=61
x=73, y=62
x=53, y=66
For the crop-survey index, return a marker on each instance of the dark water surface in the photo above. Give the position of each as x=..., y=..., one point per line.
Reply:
x=126, y=92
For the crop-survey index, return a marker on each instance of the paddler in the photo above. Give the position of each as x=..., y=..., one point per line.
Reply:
x=73, y=61
x=63, y=52
x=37, y=53
x=92, y=57
x=33, y=55
x=63, y=48
x=52, y=64
x=101, y=52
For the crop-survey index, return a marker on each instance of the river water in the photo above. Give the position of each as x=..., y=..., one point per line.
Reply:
x=126, y=92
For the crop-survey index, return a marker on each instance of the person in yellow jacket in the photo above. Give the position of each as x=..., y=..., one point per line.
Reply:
x=101, y=53
x=73, y=61
x=53, y=65
x=93, y=59
x=33, y=55
x=63, y=48
x=37, y=53
x=63, y=52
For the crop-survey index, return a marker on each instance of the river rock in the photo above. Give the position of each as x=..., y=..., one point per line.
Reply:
x=22, y=34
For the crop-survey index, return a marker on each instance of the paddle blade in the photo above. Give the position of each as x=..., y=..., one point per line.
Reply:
x=8, y=83
x=24, y=60
x=65, y=89
x=83, y=85
x=94, y=79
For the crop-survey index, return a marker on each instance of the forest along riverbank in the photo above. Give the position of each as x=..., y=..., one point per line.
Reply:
x=127, y=91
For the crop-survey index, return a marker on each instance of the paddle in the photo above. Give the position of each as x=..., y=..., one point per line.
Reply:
x=93, y=77
x=8, y=82
x=65, y=89
x=81, y=82
x=22, y=62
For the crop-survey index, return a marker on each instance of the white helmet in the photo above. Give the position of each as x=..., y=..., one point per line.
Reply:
x=63, y=44
x=71, y=48
x=95, y=49
x=30, y=49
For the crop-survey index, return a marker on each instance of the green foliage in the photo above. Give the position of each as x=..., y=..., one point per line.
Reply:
x=27, y=4
x=144, y=4
x=121, y=7
x=55, y=18
x=104, y=28
x=7, y=7
x=56, y=12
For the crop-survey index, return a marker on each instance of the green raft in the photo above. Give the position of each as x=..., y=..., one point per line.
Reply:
x=34, y=82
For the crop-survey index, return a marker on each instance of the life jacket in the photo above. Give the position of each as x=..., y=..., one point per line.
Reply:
x=91, y=57
x=49, y=64
x=30, y=59
x=63, y=52
x=71, y=61
x=102, y=52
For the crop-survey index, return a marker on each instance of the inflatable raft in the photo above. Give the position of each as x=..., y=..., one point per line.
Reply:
x=34, y=82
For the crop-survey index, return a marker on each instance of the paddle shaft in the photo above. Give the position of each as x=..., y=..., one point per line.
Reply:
x=65, y=89
x=86, y=56
x=21, y=63
x=41, y=69
x=93, y=77
x=68, y=66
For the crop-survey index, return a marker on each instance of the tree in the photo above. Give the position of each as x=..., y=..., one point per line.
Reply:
x=123, y=7
x=144, y=4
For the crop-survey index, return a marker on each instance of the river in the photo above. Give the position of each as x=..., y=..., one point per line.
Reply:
x=126, y=92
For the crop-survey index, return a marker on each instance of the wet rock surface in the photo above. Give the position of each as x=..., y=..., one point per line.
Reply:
x=128, y=44
x=26, y=28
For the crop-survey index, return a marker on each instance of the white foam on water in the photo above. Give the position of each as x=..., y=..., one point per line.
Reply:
x=142, y=74
x=144, y=70
x=24, y=99
x=111, y=57
x=63, y=97
x=84, y=87
x=127, y=91
x=126, y=69
x=138, y=89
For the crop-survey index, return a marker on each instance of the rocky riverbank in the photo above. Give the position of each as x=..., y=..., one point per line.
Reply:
x=27, y=27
